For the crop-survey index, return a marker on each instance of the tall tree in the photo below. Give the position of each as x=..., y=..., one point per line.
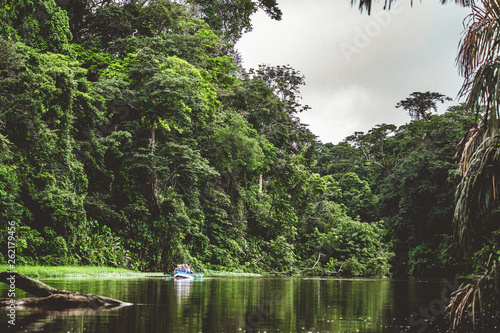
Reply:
x=285, y=81
x=374, y=146
x=285, y=131
x=233, y=18
x=419, y=105
x=39, y=24
x=173, y=96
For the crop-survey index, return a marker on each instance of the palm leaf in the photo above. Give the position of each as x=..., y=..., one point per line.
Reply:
x=480, y=42
x=479, y=151
x=367, y=4
x=482, y=88
x=477, y=194
x=468, y=295
x=479, y=58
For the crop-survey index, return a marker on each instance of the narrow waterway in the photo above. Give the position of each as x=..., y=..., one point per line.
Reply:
x=247, y=305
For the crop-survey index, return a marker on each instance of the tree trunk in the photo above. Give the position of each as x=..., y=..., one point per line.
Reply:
x=32, y=286
x=154, y=176
x=51, y=298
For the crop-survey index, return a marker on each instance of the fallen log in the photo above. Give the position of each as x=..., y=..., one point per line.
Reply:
x=51, y=298
x=32, y=286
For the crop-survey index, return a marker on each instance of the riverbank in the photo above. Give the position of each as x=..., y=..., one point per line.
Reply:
x=76, y=271
x=99, y=271
x=211, y=273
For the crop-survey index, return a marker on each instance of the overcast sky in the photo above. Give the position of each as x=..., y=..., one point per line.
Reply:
x=357, y=67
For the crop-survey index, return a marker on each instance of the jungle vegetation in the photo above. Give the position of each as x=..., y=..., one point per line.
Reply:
x=131, y=136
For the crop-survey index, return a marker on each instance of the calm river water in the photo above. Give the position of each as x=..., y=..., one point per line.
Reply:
x=246, y=305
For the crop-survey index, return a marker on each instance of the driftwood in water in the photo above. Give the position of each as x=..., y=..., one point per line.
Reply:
x=32, y=286
x=51, y=298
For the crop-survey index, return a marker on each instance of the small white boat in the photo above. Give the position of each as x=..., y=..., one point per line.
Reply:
x=185, y=276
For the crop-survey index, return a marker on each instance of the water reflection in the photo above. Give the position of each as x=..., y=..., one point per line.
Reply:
x=42, y=320
x=243, y=304
x=182, y=288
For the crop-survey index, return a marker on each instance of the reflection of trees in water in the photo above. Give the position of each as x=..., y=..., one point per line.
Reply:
x=48, y=304
x=257, y=304
x=320, y=304
x=68, y=320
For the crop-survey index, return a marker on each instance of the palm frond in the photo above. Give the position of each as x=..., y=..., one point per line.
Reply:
x=465, y=298
x=367, y=4
x=480, y=42
x=479, y=152
x=483, y=88
x=469, y=295
x=477, y=192
x=466, y=147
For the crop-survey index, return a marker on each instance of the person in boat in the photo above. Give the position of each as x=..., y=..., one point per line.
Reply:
x=189, y=270
x=178, y=269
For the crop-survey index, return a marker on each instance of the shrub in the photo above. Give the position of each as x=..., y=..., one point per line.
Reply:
x=99, y=246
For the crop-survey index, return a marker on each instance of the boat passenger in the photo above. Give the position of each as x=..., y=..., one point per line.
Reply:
x=189, y=270
x=178, y=269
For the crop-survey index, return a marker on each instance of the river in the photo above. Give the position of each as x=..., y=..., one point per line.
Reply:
x=247, y=305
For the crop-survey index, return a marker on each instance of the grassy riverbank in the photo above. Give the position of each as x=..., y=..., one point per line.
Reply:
x=76, y=271
x=99, y=271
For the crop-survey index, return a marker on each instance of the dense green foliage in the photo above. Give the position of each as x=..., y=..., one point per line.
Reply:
x=130, y=136
x=410, y=176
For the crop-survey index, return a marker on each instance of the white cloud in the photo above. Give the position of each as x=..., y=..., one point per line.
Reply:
x=392, y=55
